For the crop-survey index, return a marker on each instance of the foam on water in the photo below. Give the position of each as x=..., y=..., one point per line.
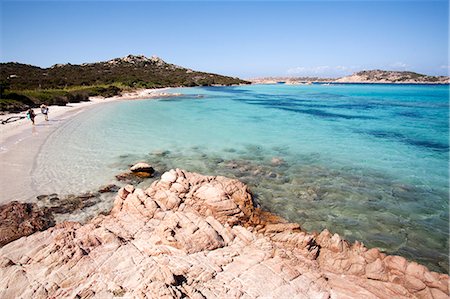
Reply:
x=367, y=161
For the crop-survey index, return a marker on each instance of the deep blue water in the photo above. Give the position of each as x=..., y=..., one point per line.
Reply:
x=369, y=162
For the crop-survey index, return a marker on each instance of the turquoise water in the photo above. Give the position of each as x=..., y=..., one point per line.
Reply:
x=369, y=162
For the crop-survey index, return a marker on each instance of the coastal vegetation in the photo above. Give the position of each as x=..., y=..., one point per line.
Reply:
x=23, y=86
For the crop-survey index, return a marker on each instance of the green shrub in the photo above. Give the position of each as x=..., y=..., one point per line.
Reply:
x=12, y=105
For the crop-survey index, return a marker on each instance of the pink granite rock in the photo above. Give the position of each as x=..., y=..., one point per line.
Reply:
x=22, y=219
x=142, y=167
x=194, y=236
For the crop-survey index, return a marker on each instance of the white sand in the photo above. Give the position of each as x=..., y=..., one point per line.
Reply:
x=14, y=128
x=20, y=142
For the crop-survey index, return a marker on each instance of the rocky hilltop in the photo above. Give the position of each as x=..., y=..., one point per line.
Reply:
x=379, y=76
x=23, y=86
x=194, y=236
x=131, y=70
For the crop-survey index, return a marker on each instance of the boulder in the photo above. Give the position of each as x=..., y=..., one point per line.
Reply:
x=22, y=219
x=137, y=173
x=142, y=167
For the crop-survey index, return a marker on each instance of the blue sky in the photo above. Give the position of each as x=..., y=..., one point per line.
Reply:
x=246, y=39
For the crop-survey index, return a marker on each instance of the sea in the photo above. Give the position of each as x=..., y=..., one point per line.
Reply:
x=367, y=161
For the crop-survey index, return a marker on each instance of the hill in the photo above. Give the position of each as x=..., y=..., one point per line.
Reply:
x=380, y=76
x=27, y=85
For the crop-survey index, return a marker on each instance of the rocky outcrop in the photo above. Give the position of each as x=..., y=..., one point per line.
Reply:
x=137, y=173
x=197, y=236
x=22, y=219
x=142, y=167
x=380, y=76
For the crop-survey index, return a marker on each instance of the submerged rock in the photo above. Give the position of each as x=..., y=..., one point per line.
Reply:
x=68, y=204
x=22, y=219
x=194, y=236
x=109, y=188
x=161, y=153
x=129, y=178
x=276, y=161
x=309, y=194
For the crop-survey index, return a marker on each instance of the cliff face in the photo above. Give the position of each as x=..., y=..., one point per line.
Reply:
x=198, y=236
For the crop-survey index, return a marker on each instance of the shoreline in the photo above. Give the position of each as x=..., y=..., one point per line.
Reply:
x=79, y=108
x=20, y=141
x=10, y=129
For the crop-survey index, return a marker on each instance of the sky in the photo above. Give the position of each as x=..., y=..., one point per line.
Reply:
x=245, y=39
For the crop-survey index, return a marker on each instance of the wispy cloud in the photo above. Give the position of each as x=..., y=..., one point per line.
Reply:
x=400, y=65
x=445, y=66
x=308, y=69
x=322, y=70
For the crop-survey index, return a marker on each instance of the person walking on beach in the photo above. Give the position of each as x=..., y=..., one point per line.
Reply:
x=31, y=115
x=44, y=110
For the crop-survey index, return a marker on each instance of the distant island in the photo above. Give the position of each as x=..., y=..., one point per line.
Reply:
x=23, y=86
x=371, y=76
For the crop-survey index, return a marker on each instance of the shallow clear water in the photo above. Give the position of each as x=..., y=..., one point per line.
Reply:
x=369, y=162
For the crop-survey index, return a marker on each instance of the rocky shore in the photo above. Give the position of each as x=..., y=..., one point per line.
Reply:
x=22, y=219
x=195, y=236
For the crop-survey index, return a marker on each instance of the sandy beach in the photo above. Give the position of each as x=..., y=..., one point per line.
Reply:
x=20, y=141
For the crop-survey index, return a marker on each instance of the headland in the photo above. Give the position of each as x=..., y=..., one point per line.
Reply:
x=362, y=77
